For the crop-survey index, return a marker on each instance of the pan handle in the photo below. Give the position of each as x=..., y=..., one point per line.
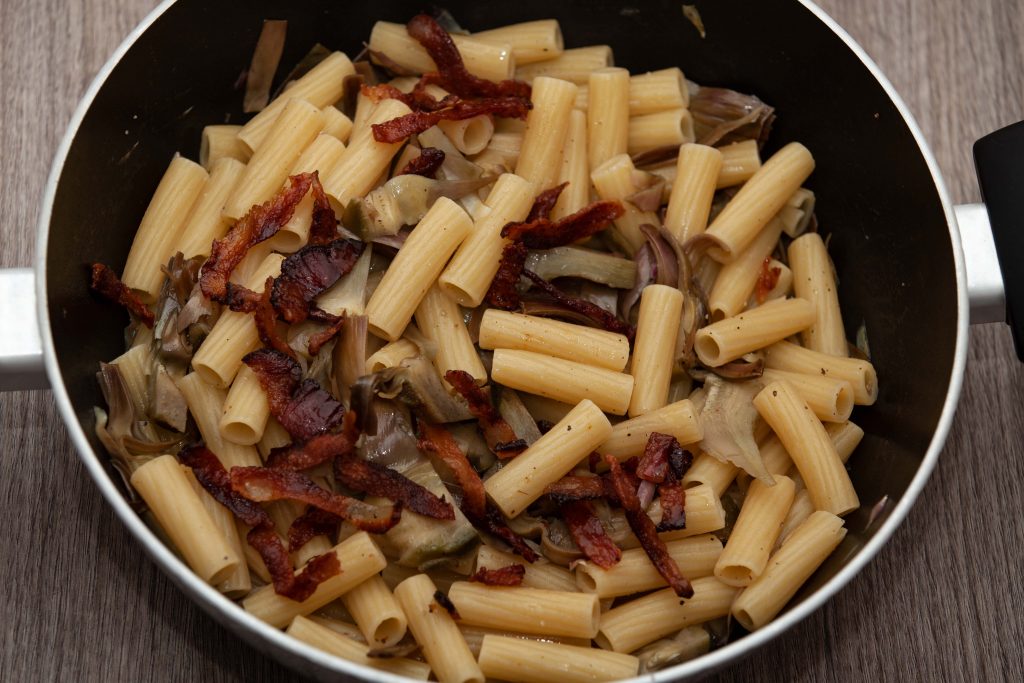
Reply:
x=21, y=349
x=999, y=160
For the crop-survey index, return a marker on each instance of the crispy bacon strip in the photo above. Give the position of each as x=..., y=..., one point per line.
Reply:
x=265, y=318
x=590, y=534
x=445, y=602
x=512, y=575
x=673, y=502
x=426, y=164
x=767, y=279
x=310, y=524
x=542, y=233
x=545, y=202
x=654, y=463
x=263, y=485
x=438, y=440
x=212, y=476
x=317, y=450
x=503, y=292
x=107, y=284
x=377, y=480
x=498, y=434
x=493, y=522
x=415, y=122
x=645, y=530
x=304, y=409
x=573, y=488
x=324, y=228
x=317, y=341
x=299, y=586
x=480, y=512
x=261, y=223
x=600, y=317
x=452, y=74
x=310, y=271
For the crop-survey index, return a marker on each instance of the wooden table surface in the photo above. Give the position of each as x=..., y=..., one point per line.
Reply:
x=943, y=600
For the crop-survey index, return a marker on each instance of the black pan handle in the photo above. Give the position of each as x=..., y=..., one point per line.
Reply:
x=999, y=159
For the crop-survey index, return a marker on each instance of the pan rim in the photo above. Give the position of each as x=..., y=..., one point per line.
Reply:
x=299, y=655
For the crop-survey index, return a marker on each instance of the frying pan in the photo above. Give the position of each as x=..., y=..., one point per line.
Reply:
x=894, y=239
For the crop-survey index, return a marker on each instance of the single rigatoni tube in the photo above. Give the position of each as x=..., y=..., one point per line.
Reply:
x=357, y=170
x=813, y=280
x=483, y=58
x=737, y=279
x=376, y=612
x=468, y=277
x=332, y=642
x=220, y=142
x=641, y=621
x=607, y=115
x=206, y=403
x=246, y=409
x=297, y=126
x=573, y=65
x=801, y=509
x=360, y=559
x=184, y=518
x=320, y=155
x=614, y=179
x=323, y=85
x=530, y=41
x=502, y=150
x=234, y=334
x=693, y=190
x=504, y=330
x=239, y=582
x=206, y=222
x=390, y=355
x=562, y=380
x=809, y=446
x=439, y=318
x=845, y=436
x=656, y=91
x=629, y=438
x=635, y=573
x=859, y=373
x=162, y=225
x=753, y=536
x=667, y=128
x=703, y=510
x=336, y=124
x=540, y=157
x=830, y=399
x=707, y=469
x=758, y=200
x=540, y=574
x=740, y=161
x=523, y=480
x=661, y=308
x=730, y=338
x=527, y=610
x=782, y=288
x=416, y=267
x=575, y=169
x=434, y=629
x=470, y=136
x=802, y=553
x=527, y=661
x=796, y=214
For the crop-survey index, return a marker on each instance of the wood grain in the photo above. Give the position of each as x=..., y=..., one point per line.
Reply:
x=941, y=602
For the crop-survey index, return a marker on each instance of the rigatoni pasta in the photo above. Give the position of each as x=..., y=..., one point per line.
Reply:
x=340, y=468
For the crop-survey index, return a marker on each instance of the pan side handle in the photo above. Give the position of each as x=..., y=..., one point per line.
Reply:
x=21, y=349
x=999, y=160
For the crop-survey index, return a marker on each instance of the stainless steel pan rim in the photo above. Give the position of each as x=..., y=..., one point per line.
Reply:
x=231, y=614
